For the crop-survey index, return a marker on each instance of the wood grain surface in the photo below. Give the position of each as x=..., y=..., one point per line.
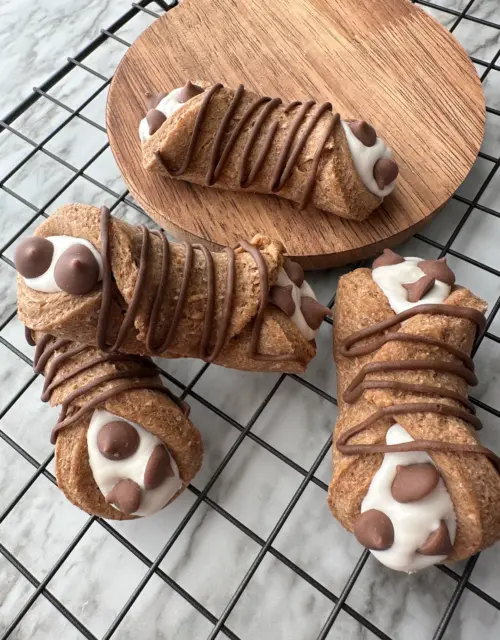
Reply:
x=385, y=61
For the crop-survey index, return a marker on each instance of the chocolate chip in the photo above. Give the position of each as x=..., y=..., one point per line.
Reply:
x=414, y=481
x=438, y=543
x=189, y=91
x=126, y=496
x=117, y=440
x=417, y=290
x=155, y=119
x=33, y=256
x=294, y=271
x=374, y=530
x=387, y=258
x=154, y=99
x=77, y=270
x=313, y=312
x=385, y=171
x=282, y=298
x=438, y=269
x=158, y=468
x=364, y=132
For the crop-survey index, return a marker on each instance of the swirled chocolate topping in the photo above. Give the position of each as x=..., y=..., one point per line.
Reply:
x=156, y=344
x=358, y=385
x=47, y=346
x=287, y=159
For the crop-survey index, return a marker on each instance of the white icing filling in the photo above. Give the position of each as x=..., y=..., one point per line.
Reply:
x=365, y=158
x=168, y=106
x=415, y=521
x=108, y=472
x=391, y=278
x=297, y=293
x=46, y=282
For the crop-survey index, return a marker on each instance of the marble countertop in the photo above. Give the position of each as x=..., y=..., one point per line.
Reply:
x=290, y=595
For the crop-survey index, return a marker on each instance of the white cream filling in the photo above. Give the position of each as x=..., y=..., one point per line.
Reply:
x=413, y=522
x=168, y=106
x=108, y=472
x=391, y=278
x=297, y=293
x=365, y=158
x=46, y=282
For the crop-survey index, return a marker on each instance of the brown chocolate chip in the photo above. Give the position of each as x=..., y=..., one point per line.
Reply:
x=155, y=119
x=282, y=298
x=154, y=99
x=313, y=312
x=117, y=440
x=414, y=481
x=439, y=270
x=33, y=256
x=374, y=530
x=387, y=258
x=417, y=290
x=385, y=171
x=126, y=496
x=158, y=468
x=438, y=543
x=77, y=270
x=189, y=91
x=364, y=132
x=294, y=271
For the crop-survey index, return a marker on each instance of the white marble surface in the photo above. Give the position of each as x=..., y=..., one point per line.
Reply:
x=211, y=555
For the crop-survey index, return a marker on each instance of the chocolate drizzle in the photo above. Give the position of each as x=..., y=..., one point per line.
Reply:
x=157, y=344
x=47, y=346
x=358, y=385
x=288, y=156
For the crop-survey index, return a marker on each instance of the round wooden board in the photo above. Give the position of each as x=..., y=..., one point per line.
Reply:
x=385, y=61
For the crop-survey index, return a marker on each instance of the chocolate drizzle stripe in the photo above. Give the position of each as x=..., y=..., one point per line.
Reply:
x=289, y=153
x=264, y=300
x=431, y=309
x=358, y=385
x=246, y=180
x=51, y=384
x=29, y=337
x=356, y=392
x=66, y=421
x=209, y=311
x=47, y=346
x=374, y=345
x=408, y=365
x=158, y=344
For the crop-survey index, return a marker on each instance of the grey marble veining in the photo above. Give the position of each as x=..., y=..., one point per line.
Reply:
x=211, y=555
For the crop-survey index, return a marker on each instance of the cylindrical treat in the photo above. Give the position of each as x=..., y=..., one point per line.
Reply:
x=410, y=478
x=125, y=447
x=245, y=308
x=237, y=140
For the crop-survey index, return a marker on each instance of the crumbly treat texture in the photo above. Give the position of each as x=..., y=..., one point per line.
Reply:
x=471, y=479
x=155, y=298
x=322, y=174
x=150, y=408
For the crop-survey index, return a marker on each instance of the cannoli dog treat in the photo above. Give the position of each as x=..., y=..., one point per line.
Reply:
x=124, y=445
x=410, y=478
x=90, y=277
x=234, y=139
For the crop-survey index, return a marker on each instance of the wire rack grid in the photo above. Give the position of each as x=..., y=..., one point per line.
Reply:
x=341, y=615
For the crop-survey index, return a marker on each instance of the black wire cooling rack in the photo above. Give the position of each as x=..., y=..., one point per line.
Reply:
x=220, y=625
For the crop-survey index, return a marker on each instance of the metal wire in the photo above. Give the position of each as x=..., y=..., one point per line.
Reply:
x=221, y=624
